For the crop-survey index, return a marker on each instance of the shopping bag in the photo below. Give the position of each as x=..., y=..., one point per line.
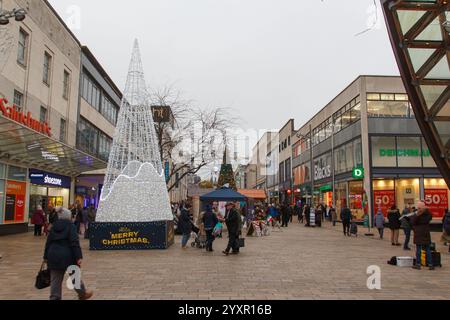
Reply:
x=241, y=242
x=43, y=278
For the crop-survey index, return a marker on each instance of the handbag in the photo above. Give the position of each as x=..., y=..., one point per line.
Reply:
x=43, y=278
x=241, y=242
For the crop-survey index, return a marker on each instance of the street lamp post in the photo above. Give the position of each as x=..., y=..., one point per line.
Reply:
x=5, y=15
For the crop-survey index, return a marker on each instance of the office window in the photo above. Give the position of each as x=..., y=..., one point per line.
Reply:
x=43, y=114
x=47, y=68
x=62, y=130
x=87, y=137
x=66, y=85
x=18, y=99
x=22, y=49
x=90, y=92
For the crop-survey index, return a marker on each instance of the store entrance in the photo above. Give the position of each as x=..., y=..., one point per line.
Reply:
x=47, y=196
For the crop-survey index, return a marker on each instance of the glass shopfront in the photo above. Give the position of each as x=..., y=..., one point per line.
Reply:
x=407, y=192
x=12, y=194
x=341, y=190
x=356, y=199
x=48, y=189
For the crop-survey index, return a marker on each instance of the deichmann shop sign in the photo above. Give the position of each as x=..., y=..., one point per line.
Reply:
x=404, y=153
x=49, y=179
x=12, y=113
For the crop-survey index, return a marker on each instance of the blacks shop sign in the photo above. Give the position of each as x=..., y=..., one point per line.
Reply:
x=131, y=236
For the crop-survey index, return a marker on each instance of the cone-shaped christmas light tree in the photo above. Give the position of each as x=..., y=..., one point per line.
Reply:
x=135, y=188
x=226, y=177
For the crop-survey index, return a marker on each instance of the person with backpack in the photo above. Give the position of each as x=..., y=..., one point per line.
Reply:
x=422, y=234
x=394, y=225
x=346, y=218
x=379, y=223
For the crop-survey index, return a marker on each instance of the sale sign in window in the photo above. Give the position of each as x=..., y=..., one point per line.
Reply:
x=15, y=202
x=437, y=201
x=384, y=200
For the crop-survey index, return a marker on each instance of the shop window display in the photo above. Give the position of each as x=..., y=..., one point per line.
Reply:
x=356, y=198
x=341, y=196
x=407, y=192
x=436, y=197
x=383, y=195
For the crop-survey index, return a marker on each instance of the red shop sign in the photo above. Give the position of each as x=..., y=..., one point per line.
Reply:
x=27, y=120
x=384, y=199
x=437, y=201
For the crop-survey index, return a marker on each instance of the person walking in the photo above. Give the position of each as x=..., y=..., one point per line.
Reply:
x=209, y=221
x=394, y=225
x=422, y=235
x=379, y=223
x=406, y=226
x=346, y=218
x=307, y=214
x=232, y=222
x=62, y=250
x=39, y=220
x=52, y=215
x=185, y=225
x=299, y=212
x=333, y=215
x=319, y=216
x=284, y=216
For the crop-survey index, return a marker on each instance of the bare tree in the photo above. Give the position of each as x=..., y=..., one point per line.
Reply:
x=194, y=139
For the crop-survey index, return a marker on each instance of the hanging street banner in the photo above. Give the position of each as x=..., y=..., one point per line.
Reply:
x=131, y=236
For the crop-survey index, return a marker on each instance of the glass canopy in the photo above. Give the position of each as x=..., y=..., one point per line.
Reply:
x=420, y=36
x=22, y=145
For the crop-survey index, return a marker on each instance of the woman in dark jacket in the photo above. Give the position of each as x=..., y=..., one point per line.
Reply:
x=394, y=225
x=38, y=219
x=210, y=221
x=185, y=226
x=422, y=235
x=63, y=250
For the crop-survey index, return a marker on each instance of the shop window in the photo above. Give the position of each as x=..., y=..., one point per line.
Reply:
x=388, y=109
x=383, y=195
x=409, y=152
x=428, y=161
x=17, y=174
x=436, y=196
x=384, y=152
x=341, y=196
x=355, y=196
x=407, y=193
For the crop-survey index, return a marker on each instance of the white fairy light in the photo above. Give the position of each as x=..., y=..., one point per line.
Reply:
x=135, y=188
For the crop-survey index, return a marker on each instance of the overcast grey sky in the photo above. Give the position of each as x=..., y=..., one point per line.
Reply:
x=269, y=59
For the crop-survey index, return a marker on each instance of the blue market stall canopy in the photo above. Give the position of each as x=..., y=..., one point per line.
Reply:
x=224, y=195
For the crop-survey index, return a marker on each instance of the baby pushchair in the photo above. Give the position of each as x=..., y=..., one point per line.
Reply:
x=199, y=240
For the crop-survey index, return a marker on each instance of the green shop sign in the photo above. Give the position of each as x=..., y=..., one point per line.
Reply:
x=404, y=153
x=358, y=173
x=326, y=188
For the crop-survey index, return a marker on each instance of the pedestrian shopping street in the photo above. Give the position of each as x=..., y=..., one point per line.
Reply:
x=297, y=263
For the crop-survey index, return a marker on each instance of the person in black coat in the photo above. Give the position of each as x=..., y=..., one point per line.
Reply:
x=284, y=216
x=209, y=221
x=394, y=224
x=232, y=222
x=422, y=234
x=346, y=218
x=185, y=225
x=63, y=250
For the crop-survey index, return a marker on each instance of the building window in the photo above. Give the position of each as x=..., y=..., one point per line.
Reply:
x=381, y=105
x=66, y=85
x=18, y=99
x=62, y=130
x=47, y=68
x=109, y=110
x=384, y=152
x=90, y=92
x=23, y=45
x=43, y=115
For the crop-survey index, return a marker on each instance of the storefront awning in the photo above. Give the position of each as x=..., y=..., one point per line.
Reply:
x=26, y=147
x=253, y=194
